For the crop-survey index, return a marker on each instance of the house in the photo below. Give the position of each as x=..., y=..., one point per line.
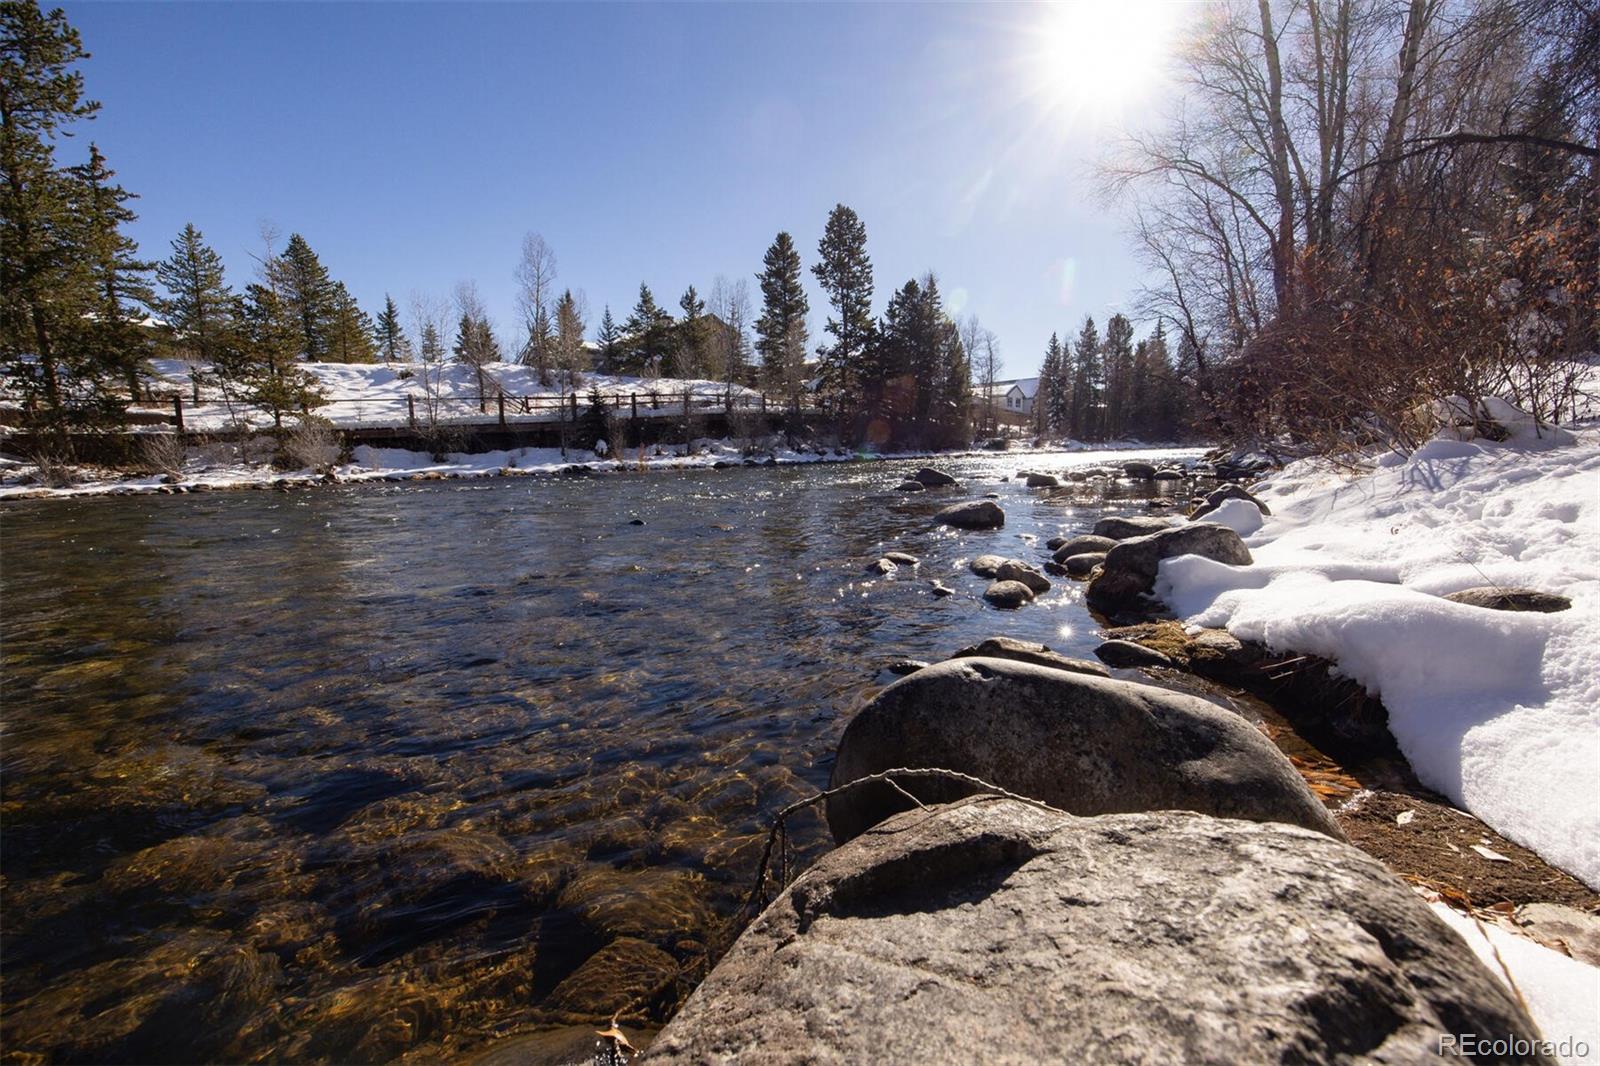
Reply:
x=1009, y=402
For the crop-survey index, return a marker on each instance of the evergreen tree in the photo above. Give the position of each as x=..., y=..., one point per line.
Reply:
x=302, y=283
x=781, y=329
x=199, y=305
x=568, y=346
x=694, y=337
x=1047, y=396
x=1116, y=361
x=350, y=330
x=1086, y=383
x=651, y=340
x=114, y=333
x=265, y=370
x=431, y=346
x=45, y=290
x=610, y=341
x=890, y=388
x=393, y=344
x=953, y=409
x=595, y=425
x=845, y=273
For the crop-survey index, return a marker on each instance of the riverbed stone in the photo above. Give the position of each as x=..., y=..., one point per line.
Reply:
x=1084, y=565
x=1123, y=527
x=1043, y=481
x=1126, y=654
x=1498, y=598
x=993, y=931
x=973, y=514
x=1129, y=571
x=1027, y=573
x=987, y=565
x=1084, y=744
x=1024, y=651
x=1082, y=545
x=933, y=478
x=882, y=566
x=941, y=590
x=911, y=486
x=1139, y=471
x=627, y=976
x=1008, y=594
x=1215, y=498
x=902, y=558
x=1168, y=474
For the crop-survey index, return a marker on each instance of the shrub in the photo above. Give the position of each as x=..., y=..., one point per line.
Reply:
x=164, y=453
x=312, y=443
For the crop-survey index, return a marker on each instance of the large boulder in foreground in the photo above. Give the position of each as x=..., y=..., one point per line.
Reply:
x=974, y=514
x=993, y=931
x=1129, y=571
x=1087, y=745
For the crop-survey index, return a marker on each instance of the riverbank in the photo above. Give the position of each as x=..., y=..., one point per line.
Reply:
x=215, y=468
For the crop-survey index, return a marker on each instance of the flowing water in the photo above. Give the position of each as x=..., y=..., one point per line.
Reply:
x=398, y=771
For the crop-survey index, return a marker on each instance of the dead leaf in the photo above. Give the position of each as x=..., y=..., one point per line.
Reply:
x=1404, y=817
x=616, y=1036
x=1490, y=854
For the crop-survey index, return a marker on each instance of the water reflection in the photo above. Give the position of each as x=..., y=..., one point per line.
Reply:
x=394, y=772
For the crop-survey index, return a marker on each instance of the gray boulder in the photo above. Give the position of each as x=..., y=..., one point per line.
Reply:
x=1027, y=573
x=1023, y=651
x=1088, y=745
x=1121, y=527
x=1008, y=594
x=1043, y=481
x=932, y=478
x=974, y=514
x=1216, y=497
x=1083, y=546
x=987, y=565
x=1129, y=570
x=1083, y=565
x=993, y=931
x=1139, y=471
x=1127, y=654
x=1496, y=598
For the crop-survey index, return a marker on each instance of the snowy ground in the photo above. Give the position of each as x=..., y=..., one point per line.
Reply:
x=1498, y=711
x=373, y=395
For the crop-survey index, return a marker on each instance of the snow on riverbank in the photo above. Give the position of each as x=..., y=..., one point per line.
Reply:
x=1498, y=711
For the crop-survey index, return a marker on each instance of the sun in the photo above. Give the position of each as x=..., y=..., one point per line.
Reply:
x=1095, y=58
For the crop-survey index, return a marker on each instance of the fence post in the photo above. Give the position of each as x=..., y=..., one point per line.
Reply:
x=500, y=402
x=633, y=397
x=177, y=409
x=763, y=403
x=195, y=382
x=411, y=411
x=574, y=398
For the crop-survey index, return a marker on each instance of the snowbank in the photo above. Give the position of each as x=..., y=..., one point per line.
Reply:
x=1498, y=711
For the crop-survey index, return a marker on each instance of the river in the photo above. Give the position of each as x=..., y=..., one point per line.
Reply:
x=394, y=771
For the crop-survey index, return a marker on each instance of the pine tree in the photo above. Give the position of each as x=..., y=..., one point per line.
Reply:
x=595, y=425
x=430, y=349
x=953, y=412
x=610, y=341
x=393, y=344
x=651, y=340
x=568, y=345
x=350, y=330
x=845, y=273
x=1046, y=397
x=694, y=336
x=266, y=369
x=889, y=387
x=114, y=334
x=45, y=289
x=781, y=329
x=1086, y=383
x=1116, y=361
x=199, y=306
x=302, y=283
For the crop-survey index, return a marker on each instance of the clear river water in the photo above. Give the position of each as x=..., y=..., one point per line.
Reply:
x=399, y=771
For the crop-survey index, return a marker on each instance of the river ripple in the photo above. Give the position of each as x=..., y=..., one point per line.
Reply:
x=392, y=772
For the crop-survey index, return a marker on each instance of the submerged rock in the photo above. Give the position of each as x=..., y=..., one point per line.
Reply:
x=974, y=514
x=1129, y=570
x=1496, y=598
x=1023, y=651
x=989, y=930
x=1088, y=745
x=1008, y=594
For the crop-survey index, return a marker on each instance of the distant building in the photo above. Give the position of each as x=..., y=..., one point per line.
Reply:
x=1010, y=402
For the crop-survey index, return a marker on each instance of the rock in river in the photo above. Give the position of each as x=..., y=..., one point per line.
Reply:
x=1120, y=527
x=1125, y=653
x=1215, y=498
x=1083, y=565
x=987, y=565
x=974, y=514
x=1139, y=471
x=1008, y=594
x=902, y=558
x=1023, y=651
x=992, y=931
x=932, y=478
x=1027, y=573
x=1129, y=571
x=882, y=566
x=1088, y=745
x=1043, y=481
x=1082, y=546
x=911, y=486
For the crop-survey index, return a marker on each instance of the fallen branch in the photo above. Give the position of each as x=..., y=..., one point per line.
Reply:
x=780, y=832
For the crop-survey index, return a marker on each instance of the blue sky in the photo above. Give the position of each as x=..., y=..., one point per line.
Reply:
x=414, y=144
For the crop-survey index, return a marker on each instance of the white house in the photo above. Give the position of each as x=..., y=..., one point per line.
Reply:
x=1014, y=397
